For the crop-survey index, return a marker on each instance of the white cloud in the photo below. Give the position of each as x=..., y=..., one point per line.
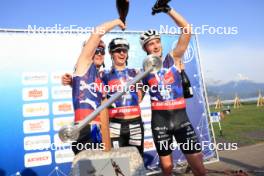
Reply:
x=241, y=77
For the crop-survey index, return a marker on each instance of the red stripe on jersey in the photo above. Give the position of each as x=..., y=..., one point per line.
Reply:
x=178, y=103
x=124, y=111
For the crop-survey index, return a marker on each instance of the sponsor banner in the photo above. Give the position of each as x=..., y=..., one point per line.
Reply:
x=35, y=93
x=36, y=126
x=62, y=121
x=62, y=107
x=149, y=145
x=35, y=109
x=61, y=92
x=37, y=142
x=64, y=156
x=34, y=78
x=38, y=74
x=37, y=159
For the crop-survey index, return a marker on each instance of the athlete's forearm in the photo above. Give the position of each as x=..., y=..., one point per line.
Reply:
x=179, y=19
x=184, y=37
x=85, y=58
x=108, y=26
x=97, y=34
x=101, y=30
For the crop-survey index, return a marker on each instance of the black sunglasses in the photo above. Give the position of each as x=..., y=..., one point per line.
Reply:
x=119, y=50
x=100, y=50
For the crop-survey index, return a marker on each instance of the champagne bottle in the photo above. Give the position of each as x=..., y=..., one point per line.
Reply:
x=122, y=8
x=186, y=85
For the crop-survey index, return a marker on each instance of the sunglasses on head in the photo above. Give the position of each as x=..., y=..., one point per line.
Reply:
x=100, y=50
x=119, y=50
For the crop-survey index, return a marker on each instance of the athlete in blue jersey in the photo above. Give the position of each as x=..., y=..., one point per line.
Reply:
x=169, y=117
x=87, y=86
x=126, y=127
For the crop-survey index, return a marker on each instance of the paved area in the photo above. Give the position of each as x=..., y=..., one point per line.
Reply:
x=249, y=159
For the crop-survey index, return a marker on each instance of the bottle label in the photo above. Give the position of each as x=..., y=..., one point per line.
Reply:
x=191, y=90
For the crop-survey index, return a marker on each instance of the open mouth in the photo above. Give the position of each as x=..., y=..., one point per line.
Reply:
x=122, y=58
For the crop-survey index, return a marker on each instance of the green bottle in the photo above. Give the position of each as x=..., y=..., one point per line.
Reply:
x=186, y=85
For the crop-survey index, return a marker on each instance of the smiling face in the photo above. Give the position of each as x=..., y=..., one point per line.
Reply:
x=119, y=56
x=118, y=49
x=154, y=47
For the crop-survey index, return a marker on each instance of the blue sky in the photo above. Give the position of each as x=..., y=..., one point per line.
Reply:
x=224, y=57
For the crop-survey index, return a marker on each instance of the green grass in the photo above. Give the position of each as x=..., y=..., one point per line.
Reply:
x=244, y=126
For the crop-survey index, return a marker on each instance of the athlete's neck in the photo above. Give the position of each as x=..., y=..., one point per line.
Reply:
x=119, y=68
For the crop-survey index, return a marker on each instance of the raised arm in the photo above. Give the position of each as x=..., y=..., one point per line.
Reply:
x=87, y=53
x=184, y=38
